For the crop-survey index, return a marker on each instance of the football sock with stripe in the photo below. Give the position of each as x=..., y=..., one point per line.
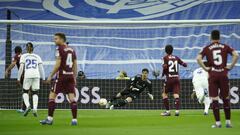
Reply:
x=166, y=104
x=215, y=108
x=51, y=107
x=74, y=109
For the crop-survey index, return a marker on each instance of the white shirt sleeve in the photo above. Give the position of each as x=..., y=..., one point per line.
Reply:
x=41, y=69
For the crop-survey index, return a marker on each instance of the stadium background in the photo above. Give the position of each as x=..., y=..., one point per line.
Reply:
x=103, y=50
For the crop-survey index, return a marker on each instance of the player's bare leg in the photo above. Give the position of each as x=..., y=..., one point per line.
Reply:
x=119, y=95
x=35, y=102
x=51, y=108
x=216, y=113
x=177, y=104
x=26, y=102
x=73, y=108
x=121, y=103
x=166, y=105
x=227, y=111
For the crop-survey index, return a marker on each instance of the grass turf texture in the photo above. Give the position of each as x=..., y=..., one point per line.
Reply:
x=116, y=122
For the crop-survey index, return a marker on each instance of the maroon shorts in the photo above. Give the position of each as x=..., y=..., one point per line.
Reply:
x=64, y=85
x=172, y=85
x=218, y=85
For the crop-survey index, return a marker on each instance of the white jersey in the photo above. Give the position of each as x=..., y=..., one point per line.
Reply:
x=200, y=74
x=31, y=63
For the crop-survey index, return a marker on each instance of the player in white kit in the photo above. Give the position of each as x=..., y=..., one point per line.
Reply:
x=200, y=84
x=32, y=67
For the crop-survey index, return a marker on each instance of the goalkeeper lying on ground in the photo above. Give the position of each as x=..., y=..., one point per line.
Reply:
x=134, y=88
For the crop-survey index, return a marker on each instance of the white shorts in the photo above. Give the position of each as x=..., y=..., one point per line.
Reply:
x=33, y=83
x=201, y=89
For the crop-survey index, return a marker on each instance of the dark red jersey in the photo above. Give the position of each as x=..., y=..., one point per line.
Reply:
x=171, y=66
x=16, y=59
x=217, y=55
x=68, y=56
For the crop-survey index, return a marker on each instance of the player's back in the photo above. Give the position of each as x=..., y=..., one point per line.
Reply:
x=217, y=55
x=68, y=56
x=171, y=66
x=31, y=63
x=199, y=74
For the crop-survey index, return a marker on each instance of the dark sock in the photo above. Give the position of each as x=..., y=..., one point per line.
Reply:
x=121, y=103
x=215, y=108
x=23, y=106
x=227, y=108
x=177, y=103
x=166, y=103
x=51, y=107
x=74, y=110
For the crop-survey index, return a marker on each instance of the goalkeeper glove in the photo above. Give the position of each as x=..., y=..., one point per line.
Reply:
x=150, y=96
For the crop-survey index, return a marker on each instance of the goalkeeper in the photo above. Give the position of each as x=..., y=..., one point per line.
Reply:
x=134, y=88
x=200, y=83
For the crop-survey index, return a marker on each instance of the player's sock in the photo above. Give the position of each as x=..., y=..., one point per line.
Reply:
x=228, y=122
x=207, y=103
x=215, y=108
x=166, y=104
x=74, y=109
x=23, y=106
x=26, y=99
x=227, y=109
x=177, y=104
x=35, y=101
x=51, y=107
x=121, y=103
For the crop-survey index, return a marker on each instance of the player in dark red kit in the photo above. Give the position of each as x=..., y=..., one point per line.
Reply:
x=15, y=61
x=66, y=70
x=172, y=82
x=217, y=54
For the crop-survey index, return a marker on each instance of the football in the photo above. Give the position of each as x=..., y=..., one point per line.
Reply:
x=102, y=102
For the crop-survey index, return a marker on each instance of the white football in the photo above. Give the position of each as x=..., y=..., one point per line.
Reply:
x=102, y=102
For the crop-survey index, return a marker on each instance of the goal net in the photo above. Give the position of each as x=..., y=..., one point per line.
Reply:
x=106, y=48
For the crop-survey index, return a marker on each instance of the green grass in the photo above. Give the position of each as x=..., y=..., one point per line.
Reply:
x=117, y=122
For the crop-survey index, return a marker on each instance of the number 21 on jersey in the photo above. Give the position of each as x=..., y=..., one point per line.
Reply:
x=173, y=66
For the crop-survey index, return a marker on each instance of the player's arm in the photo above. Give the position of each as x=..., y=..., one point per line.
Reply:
x=164, y=66
x=200, y=62
x=181, y=62
x=55, y=69
x=75, y=68
x=235, y=57
x=41, y=70
x=9, y=68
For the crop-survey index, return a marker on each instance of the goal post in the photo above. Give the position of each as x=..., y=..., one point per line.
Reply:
x=105, y=47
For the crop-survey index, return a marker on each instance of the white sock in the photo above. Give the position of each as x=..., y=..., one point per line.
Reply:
x=50, y=118
x=75, y=120
x=168, y=111
x=177, y=111
x=35, y=101
x=228, y=122
x=218, y=123
x=26, y=99
x=207, y=103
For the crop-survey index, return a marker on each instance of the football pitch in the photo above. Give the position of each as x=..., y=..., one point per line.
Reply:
x=116, y=122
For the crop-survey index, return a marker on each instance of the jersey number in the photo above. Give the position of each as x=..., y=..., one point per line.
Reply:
x=217, y=57
x=173, y=66
x=69, y=61
x=31, y=63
